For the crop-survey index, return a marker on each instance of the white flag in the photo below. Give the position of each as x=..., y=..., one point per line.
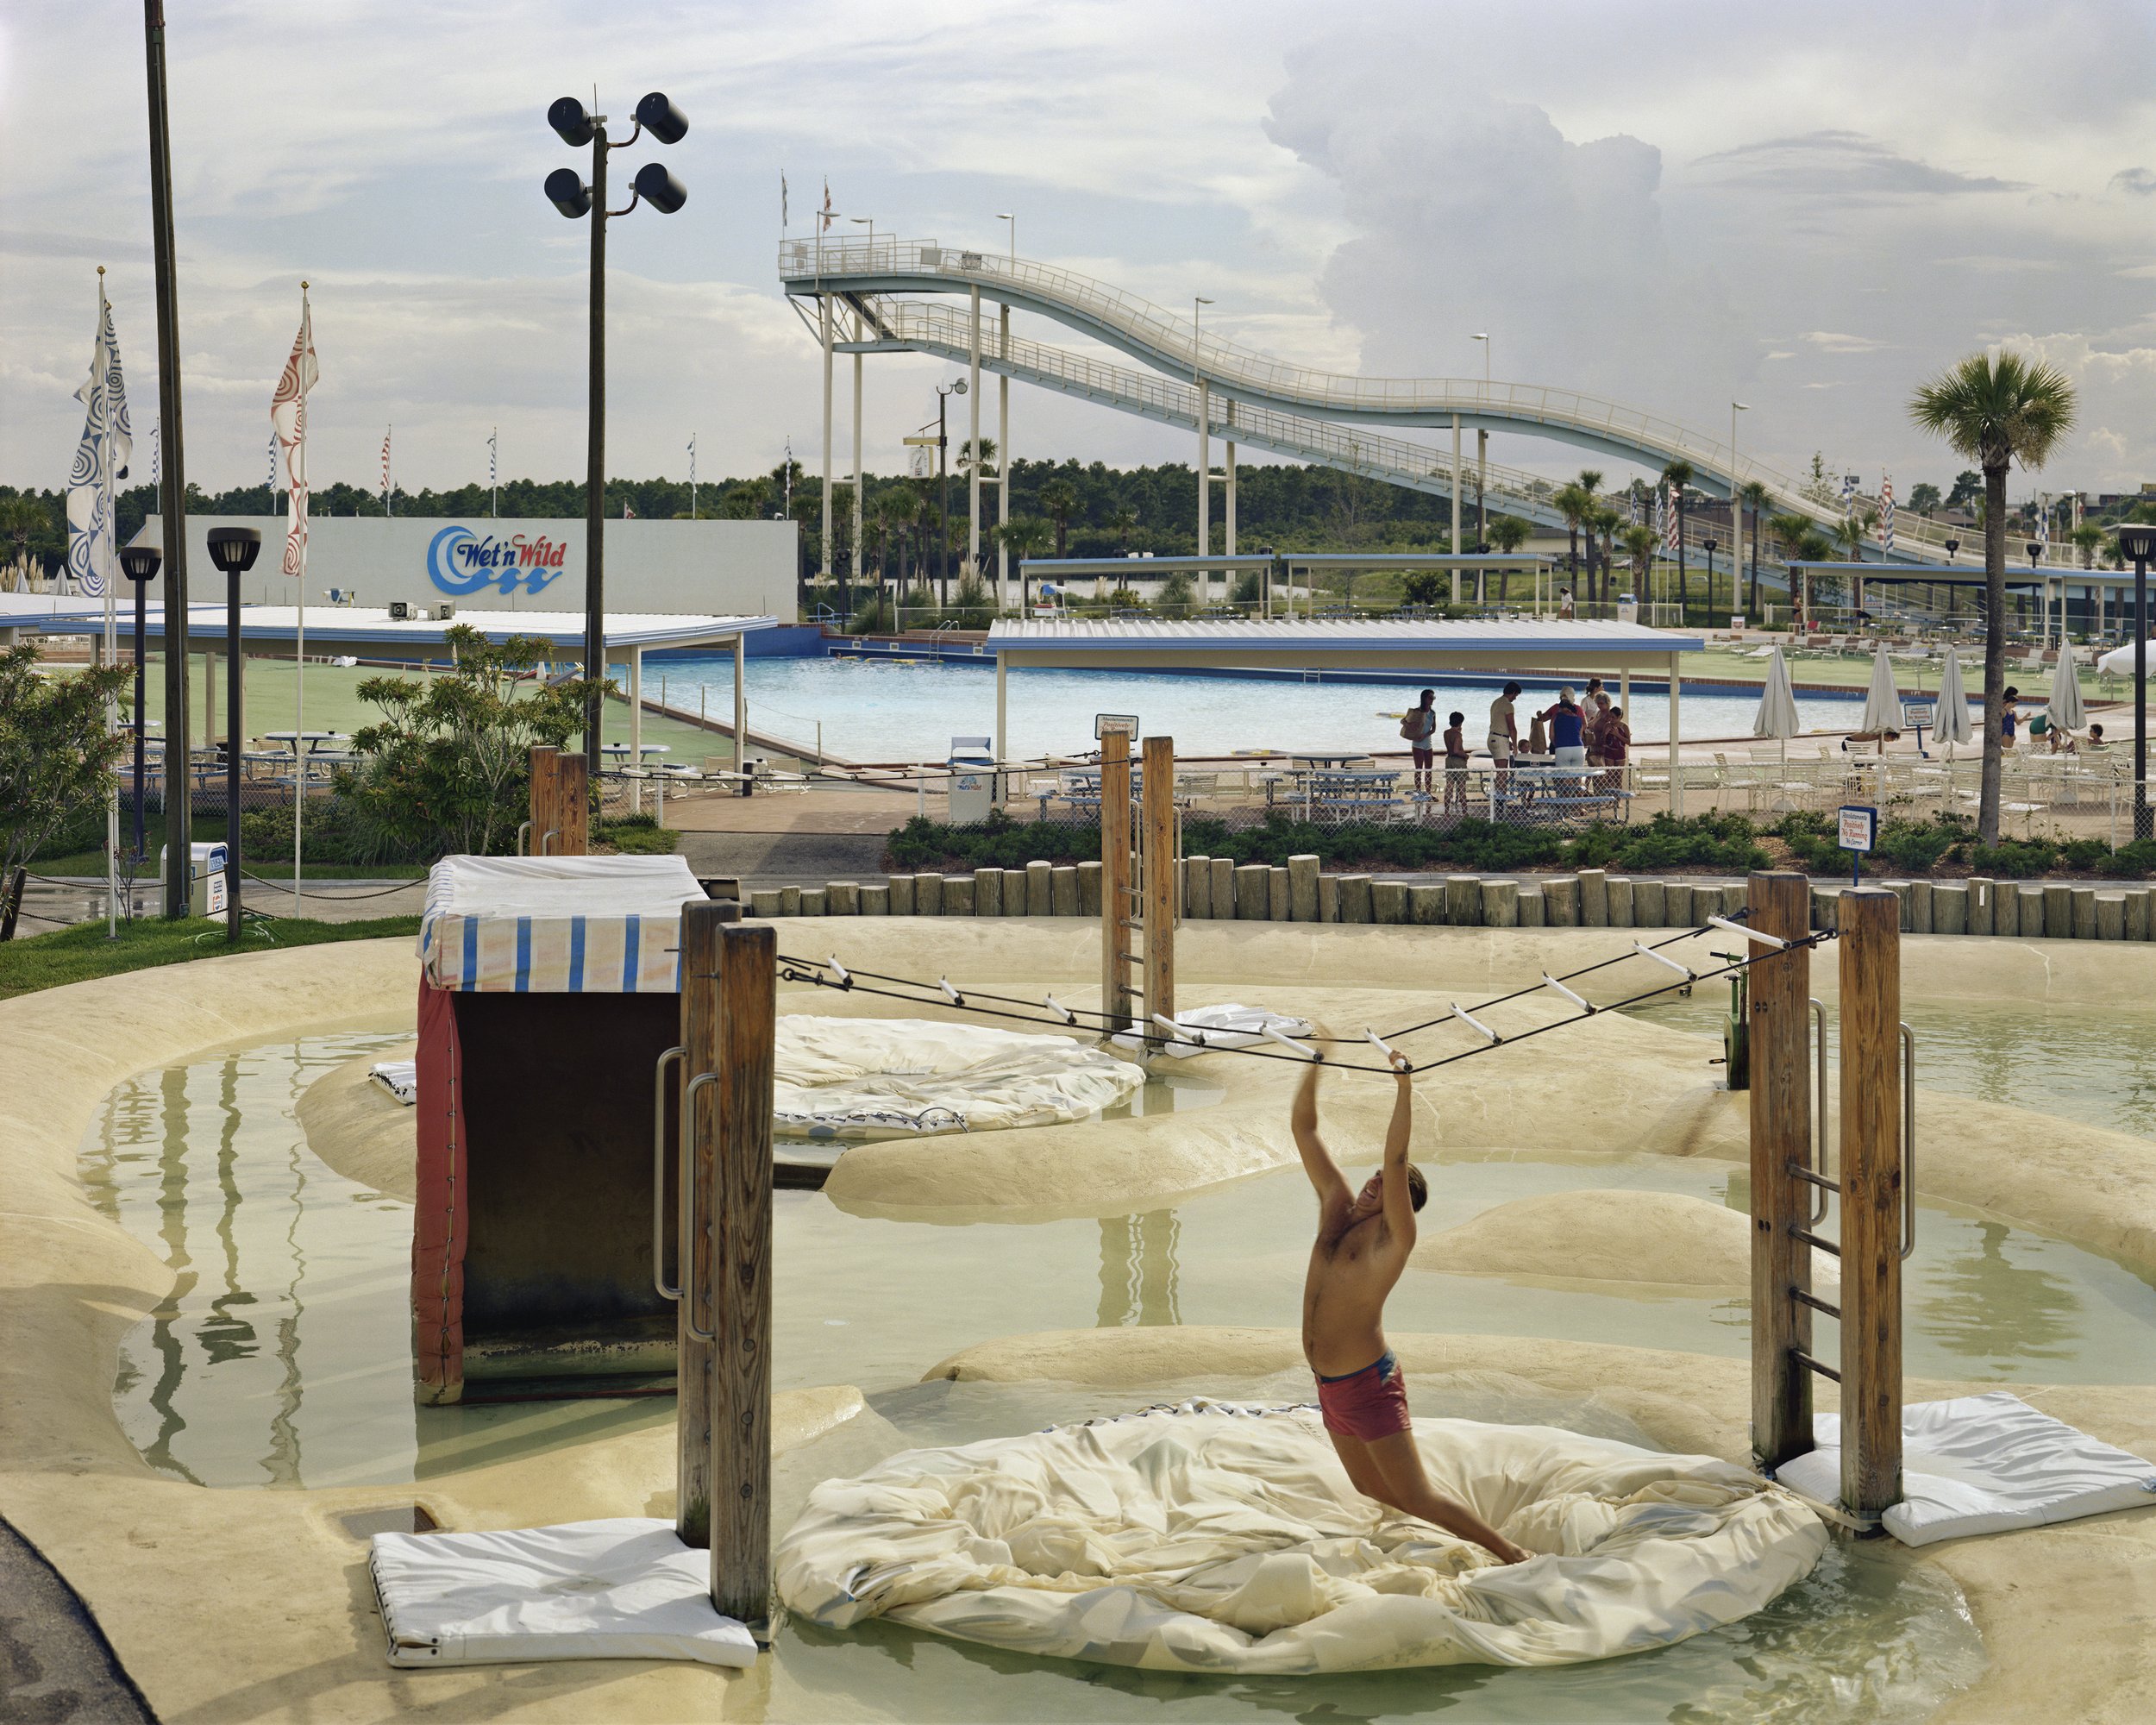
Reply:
x=106, y=448
x=288, y=420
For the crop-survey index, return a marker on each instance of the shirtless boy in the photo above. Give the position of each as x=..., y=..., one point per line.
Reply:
x=1363, y=1240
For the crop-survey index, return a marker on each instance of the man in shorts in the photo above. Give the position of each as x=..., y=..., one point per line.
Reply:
x=1363, y=1240
x=1504, y=731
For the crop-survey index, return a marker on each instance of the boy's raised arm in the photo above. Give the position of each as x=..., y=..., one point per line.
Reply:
x=1317, y=1161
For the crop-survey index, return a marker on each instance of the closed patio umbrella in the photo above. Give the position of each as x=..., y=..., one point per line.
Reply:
x=1882, y=703
x=2065, y=708
x=1776, y=716
x=1953, y=704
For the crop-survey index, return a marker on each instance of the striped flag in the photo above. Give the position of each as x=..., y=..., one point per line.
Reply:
x=273, y=472
x=1632, y=505
x=1668, y=518
x=101, y=456
x=387, y=493
x=492, y=459
x=288, y=422
x=1848, y=493
x=1886, y=515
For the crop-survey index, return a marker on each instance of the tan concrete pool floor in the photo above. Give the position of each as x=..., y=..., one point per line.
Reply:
x=232, y=1605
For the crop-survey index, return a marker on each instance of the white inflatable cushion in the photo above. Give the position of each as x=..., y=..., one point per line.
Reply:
x=1985, y=1465
x=399, y=1077
x=867, y=1078
x=1223, y=1027
x=1209, y=1537
x=614, y=1589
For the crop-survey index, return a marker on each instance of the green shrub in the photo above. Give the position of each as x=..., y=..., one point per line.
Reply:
x=2012, y=859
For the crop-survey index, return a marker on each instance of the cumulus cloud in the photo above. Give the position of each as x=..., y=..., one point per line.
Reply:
x=1475, y=213
x=2139, y=181
x=1841, y=164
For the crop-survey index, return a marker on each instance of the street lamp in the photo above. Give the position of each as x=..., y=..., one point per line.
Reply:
x=653, y=185
x=2137, y=542
x=944, y=393
x=1481, y=454
x=1736, y=512
x=233, y=549
x=1708, y=543
x=140, y=565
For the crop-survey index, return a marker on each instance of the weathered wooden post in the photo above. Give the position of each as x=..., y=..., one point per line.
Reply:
x=541, y=810
x=1780, y=1108
x=1159, y=905
x=1118, y=895
x=744, y=1001
x=1872, y=1201
x=572, y=805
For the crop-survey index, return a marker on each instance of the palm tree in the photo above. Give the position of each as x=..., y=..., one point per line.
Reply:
x=1572, y=503
x=1640, y=541
x=1753, y=495
x=1589, y=482
x=1507, y=533
x=1059, y=501
x=1605, y=521
x=1024, y=537
x=20, y=517
x=2088, y=540
x=1125, y=521
x=1678, y=475
x=1995, y=412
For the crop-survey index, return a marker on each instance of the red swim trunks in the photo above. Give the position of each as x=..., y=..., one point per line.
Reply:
x=1366, y=1404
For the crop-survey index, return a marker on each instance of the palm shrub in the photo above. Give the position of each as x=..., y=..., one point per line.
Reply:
x=56, y=758
x=448, y=768
x=1995, y=412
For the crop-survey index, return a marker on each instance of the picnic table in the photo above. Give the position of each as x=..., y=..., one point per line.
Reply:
x=1557, y=793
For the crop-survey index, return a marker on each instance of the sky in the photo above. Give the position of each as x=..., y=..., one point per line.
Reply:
x=1807, y=208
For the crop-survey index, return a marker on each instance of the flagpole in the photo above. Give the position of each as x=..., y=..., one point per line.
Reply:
x=112, y=635
x=299, y=648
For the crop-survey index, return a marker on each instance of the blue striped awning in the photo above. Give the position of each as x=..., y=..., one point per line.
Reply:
x=555, y=925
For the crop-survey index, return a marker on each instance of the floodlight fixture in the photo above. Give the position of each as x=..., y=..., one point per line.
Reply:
x=660, y=188
x=659, y=116
x=568, y=193
x=570, y=121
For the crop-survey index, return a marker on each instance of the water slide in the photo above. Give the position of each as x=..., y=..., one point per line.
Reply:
x=1294, y=411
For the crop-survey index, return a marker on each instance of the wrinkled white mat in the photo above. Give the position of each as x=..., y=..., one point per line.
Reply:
x=1985, y=1465
x=871, y=1078
x=399, y=1077
x=1210, y=1537
x=1228, y=1025
x=613, y=1590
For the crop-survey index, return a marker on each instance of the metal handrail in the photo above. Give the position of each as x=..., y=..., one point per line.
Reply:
x=829, y=265
x=523, y=834
x=1821, y=1143
x=659, y=1174
x=1908, y=1141
x=688, y=1255
x=547, y=838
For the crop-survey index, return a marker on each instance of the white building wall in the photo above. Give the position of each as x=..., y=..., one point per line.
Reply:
x=735, y=567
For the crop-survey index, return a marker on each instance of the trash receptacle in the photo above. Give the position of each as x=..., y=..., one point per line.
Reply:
x=205, y=877
x=1627, y=608
x=973, y=780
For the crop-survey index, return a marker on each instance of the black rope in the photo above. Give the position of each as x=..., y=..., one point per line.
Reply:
x=336, y=898
x=808, y=970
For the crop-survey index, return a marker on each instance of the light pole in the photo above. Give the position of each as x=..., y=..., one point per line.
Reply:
x=1205, y=443
x=1003, y=424
x=139, y=563
x=1736, y=509
x=1708, y=544
x=1481, y=451
x=944, y=393
x=653, y=185
x=2138, y=542
x=233, y=549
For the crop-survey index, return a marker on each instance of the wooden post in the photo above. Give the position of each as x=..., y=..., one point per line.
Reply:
x=1781, y=1106
x=693, y=1186
x=1871, y=1199
x=571, y=805
x=1159, y=901
x=741, y=1277
x=543, y=755
x=1116, y=902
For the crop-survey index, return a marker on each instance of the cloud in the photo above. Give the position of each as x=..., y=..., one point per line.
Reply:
x=2139, y=181
x=1782, y=354
x=1829, y=342
x=1844, y=164
x=1997, y=266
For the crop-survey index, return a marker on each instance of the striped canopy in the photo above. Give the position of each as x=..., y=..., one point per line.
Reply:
x=555, y=925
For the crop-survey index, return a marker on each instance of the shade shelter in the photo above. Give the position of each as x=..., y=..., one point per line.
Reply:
x=1611, y=650
x=1478, y=563
x=550, y=986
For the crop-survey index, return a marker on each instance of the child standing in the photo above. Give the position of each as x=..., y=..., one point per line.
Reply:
x=1456, y=762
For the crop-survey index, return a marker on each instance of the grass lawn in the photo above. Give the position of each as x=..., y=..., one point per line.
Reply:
x=75, y=955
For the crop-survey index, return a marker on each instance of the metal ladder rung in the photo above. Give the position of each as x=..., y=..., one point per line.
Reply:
x=1796, y=1172
x=1814, y=1302
x=1809, y=1364
x=1812, y=1239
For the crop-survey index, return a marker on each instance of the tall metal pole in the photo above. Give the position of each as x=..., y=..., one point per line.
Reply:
x=595, y=468
x=232, y=726
x=973, y=466
x=943, y=483
x=141, y=619
x=178, y=827
x=2142, y=813
x=823, y=334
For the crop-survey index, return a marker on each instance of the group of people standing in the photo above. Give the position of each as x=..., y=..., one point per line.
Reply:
x=1575, y=732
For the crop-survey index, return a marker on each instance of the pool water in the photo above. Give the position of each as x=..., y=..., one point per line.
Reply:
x=2095, y=1066
x=882, y=710
x=282, y=1356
